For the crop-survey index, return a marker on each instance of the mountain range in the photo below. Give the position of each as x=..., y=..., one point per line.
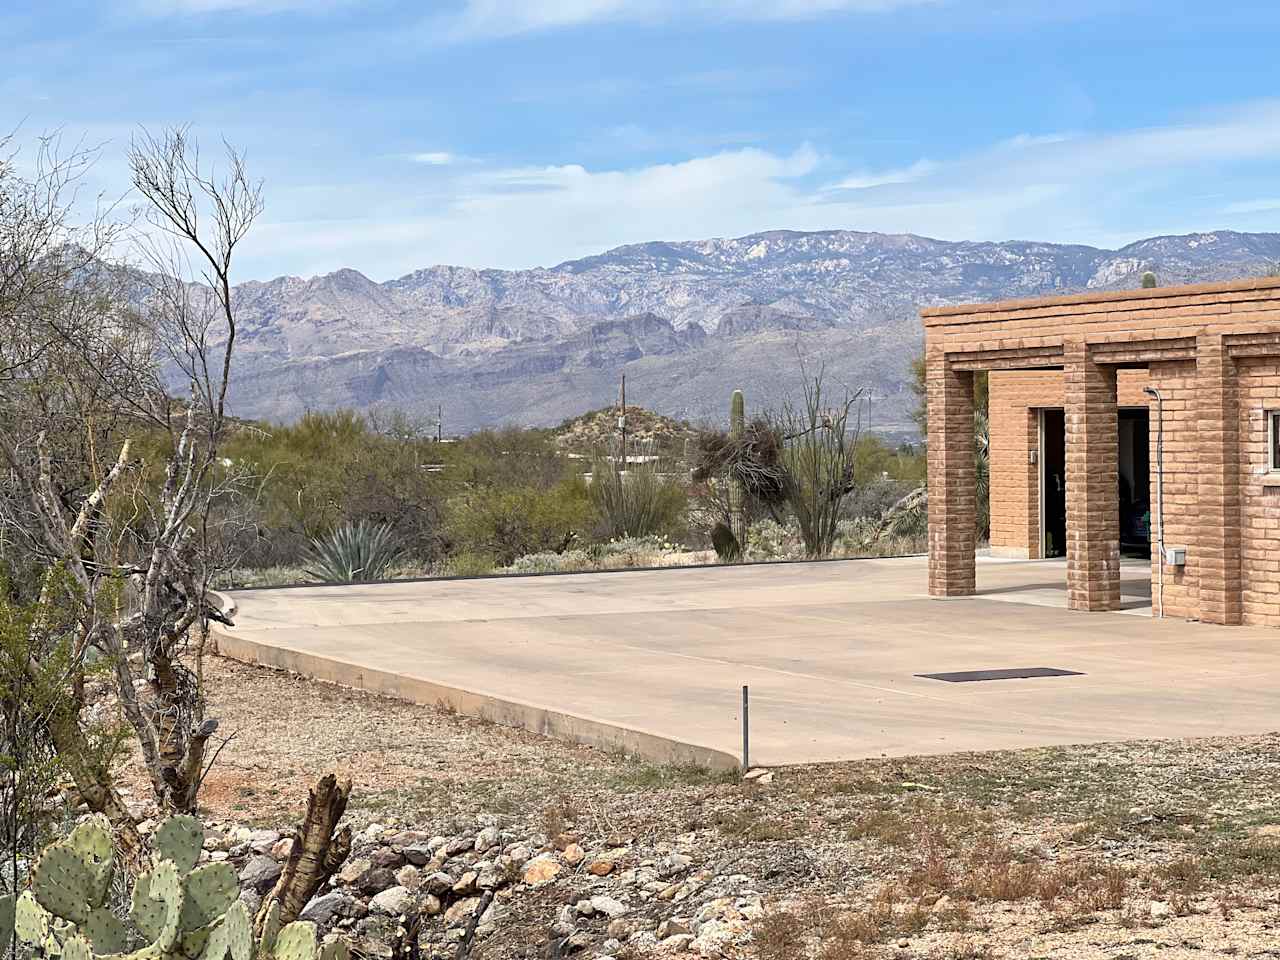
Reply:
x=687, y=323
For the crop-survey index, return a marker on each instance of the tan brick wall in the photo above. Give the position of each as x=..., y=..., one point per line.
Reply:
x=1214, y=352
x=1177, y=382
x=1015, y=399
x=1259, y=391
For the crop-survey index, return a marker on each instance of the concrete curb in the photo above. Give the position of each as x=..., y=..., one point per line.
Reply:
x=541, y=720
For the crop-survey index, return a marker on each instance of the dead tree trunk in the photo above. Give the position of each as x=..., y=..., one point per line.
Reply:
x=319, y=849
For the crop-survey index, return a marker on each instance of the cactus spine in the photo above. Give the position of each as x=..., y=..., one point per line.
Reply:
x=185, y=911
x=737, y=492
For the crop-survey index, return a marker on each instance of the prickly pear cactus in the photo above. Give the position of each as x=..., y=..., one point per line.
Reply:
x=179, y=839
x=182, y=911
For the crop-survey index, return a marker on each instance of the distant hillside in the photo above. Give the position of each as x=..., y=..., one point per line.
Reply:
x=598, y=432
x=687, y=322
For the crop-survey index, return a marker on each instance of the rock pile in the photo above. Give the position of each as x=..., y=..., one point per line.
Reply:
x=591, y=898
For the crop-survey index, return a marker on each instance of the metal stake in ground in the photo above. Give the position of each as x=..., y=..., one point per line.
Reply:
x=746, y=731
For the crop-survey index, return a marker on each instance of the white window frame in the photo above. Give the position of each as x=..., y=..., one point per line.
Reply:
x=1273, y=440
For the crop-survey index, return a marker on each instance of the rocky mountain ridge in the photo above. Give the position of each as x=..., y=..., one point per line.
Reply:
x=686, y=321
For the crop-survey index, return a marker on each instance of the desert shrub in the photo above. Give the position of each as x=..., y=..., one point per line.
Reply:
x=465, y=564
x=354, y=553
x=770, y=540
x=636, y=502
x=625, y=554
x=329, y=469
x=566, y=562
x=508, y=523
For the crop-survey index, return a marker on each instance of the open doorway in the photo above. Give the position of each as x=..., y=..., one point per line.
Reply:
x=1133, y=480
x=1053, y=483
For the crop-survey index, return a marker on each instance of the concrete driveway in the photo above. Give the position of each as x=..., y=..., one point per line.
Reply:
x=654, y=661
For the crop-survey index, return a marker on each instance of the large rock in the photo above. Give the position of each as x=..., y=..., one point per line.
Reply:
x=461, y=911
x=392, y=902
x=375, y=880
x=541, y=870
x=324, y=909
x=260, y=873
x=418, y=854
x=608, y=906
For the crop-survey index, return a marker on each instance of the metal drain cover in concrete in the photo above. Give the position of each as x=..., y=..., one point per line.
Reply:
x=968, y=676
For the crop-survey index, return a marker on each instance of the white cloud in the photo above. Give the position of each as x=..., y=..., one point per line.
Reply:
x=865, y=180
x=509, y=17
x=436, y=158
x=1253, y=206
x=1105, y=189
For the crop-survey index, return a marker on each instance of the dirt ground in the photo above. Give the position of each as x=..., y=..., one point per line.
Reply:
x=1131, y=850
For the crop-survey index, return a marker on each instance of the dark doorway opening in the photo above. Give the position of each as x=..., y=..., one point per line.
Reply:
x=1053, y=482
x=1135, y=482
x=1133, y=479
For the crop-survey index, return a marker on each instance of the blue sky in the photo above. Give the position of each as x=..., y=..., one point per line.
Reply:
x=516, y=133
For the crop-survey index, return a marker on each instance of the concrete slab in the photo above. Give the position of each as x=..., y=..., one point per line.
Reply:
x=654, y=661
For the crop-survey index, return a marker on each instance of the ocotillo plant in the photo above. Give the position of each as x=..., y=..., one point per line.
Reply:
x=182, y=911
x=737, y=492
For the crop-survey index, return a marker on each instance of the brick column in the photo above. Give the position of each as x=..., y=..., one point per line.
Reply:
x=952, y=481
x=1093, y=500
x=1217, y=539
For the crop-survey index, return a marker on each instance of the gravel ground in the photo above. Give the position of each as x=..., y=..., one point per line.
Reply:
x=1129, y=850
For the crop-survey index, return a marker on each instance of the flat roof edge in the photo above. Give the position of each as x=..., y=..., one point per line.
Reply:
x=1104, y=296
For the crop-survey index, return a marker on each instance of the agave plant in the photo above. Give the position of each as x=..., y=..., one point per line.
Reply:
x=354, y=553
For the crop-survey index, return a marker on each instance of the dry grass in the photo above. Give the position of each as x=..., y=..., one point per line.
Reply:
x=961, y=855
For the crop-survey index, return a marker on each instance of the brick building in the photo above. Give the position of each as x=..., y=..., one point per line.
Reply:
x=1102, y=407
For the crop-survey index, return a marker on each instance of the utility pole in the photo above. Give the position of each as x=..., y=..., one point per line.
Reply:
x=439, y=422
x=622, y=420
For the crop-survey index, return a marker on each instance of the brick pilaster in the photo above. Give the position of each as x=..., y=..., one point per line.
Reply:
x=1093, y=501
x=1217, y=536
x=952, y=480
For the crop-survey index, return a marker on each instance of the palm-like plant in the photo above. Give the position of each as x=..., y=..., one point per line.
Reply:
x=354, y=553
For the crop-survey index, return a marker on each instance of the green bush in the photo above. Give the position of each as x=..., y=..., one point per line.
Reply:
x=507, y=523
x=640, y=502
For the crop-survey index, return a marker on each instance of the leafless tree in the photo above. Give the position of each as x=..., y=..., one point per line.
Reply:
x=125, y=488
x=820, y=438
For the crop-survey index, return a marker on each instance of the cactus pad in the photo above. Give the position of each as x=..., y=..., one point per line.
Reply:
x=77, y=948
x=239, y=931
x=208, y=893
x=104, y=931
x=196, y=944
x=179, y=839
x=30, y=920
x=91, y=840
x=157, y=905
x=297, y=941
x=270, y=929
x=336, y=950
x=63, y=883
x=210, y=944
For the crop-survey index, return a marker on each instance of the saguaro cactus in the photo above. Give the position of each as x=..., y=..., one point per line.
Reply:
x=737, y=492
x=185, y=911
